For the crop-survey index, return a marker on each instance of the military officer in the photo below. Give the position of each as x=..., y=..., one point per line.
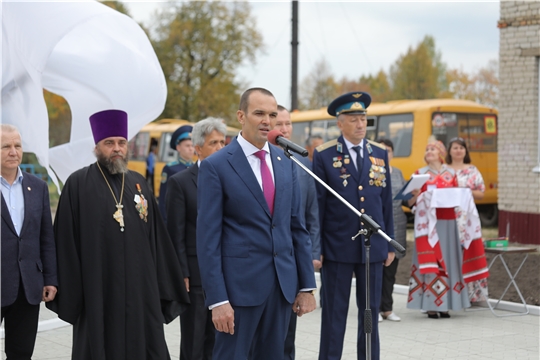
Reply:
x=357, y=169
x=181, y=142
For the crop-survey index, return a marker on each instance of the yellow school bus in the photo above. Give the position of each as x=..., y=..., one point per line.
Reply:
x=159, y=132
x=410, y=123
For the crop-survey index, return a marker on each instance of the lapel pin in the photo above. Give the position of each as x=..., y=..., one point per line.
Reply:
x=29, y=188
x=279, y=158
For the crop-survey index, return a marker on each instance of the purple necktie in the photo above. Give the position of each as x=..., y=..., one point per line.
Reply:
x=267, y=182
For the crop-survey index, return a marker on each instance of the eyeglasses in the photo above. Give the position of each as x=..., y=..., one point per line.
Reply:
x=456, y=139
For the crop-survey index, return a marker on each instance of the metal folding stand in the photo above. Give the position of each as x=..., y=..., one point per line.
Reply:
x=500, y=252
x=370, y=228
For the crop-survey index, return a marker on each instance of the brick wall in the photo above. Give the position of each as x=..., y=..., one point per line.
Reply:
x=519, y=52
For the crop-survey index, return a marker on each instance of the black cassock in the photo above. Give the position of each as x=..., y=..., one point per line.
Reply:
x=116, y=288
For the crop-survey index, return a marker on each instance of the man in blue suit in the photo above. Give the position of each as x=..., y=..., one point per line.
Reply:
x=253, y=248
x=28, y=250
x=357, y=169
x=308, y=208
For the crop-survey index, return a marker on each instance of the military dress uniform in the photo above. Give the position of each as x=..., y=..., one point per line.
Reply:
x=182, y=133
x=368, y=190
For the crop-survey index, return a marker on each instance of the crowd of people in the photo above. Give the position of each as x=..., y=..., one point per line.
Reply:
x=233, y=242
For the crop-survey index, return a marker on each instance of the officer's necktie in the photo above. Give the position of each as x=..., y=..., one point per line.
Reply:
x=267, y=182
x=358, y=159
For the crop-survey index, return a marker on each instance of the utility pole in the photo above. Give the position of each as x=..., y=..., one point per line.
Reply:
x=294, y=65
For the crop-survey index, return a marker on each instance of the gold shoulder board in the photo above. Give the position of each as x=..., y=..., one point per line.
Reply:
x=326, y=145
x=376, y=144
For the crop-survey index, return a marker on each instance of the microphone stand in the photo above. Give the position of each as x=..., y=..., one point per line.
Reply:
x=371, y=227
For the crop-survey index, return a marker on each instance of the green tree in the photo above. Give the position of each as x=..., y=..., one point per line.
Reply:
x=200, y=45
x=461, y=85
x=59, y=118
x=481, y=86
x=487, y=84
x=378, y=85
x=118, y=6
x=318, y=88
x=420, y=73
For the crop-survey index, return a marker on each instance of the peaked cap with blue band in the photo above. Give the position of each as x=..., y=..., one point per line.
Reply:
x=182, y=133
x=355, y=102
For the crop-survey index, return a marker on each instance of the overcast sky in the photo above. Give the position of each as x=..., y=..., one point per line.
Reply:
x=360, y=38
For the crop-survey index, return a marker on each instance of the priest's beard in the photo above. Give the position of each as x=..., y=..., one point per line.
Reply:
x=114, y=166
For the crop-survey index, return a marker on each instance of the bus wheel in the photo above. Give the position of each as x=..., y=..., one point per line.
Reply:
x=489, y=215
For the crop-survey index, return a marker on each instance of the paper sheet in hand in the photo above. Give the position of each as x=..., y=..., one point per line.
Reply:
x=416, y=182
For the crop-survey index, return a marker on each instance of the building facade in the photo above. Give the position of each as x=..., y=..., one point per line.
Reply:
x=519, y=121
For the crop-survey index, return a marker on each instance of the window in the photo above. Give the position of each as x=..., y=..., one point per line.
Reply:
x=166, y=154
x=398, y=128
x=139, y=146
x=478, y=130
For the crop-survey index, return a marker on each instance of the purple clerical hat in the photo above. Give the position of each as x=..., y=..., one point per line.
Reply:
x=109, y=123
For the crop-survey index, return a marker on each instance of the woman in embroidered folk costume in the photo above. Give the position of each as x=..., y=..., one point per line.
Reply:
x=437, y=282
x=119, y=276
x=468, y=176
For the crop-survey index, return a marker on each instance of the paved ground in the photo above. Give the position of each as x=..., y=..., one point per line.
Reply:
x=467, y=335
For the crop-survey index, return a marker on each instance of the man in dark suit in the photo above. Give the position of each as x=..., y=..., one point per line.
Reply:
x=196, y=327
x=357, y=169
x=254, y=251
x=309, y=209
x=28, y=250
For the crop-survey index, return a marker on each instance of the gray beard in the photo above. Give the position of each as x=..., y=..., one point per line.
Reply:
x=117, y=166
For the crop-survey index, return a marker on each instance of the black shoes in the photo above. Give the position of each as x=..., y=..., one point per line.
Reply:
x=434, y=315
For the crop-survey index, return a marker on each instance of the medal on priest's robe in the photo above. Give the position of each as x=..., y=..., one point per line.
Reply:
x=141, y=204
x=119, y=216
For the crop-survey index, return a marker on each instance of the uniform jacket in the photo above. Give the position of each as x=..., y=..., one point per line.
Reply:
x=182, y=211
x=370, y=192
x=168, y=170
x=241, y=247
x=30, y=255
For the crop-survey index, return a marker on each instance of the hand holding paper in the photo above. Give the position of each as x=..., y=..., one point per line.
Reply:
x=416, y=182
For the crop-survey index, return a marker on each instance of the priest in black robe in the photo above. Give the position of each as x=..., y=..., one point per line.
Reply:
x=119, y=277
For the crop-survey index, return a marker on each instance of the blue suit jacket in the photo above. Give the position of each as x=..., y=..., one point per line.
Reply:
x=242, y=249
x=338, y=223
x=31, y=255
x=309, y=206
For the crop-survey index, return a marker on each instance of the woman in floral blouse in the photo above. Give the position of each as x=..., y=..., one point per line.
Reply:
x=458, y=158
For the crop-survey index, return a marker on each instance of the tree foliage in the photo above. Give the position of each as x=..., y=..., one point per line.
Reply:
x=378, y=85
x=118, y=6
x=59, y=118
x=318, y=88
x=200, y=45
x=419, y=74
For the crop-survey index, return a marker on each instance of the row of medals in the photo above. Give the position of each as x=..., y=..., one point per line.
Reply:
x=377, y=175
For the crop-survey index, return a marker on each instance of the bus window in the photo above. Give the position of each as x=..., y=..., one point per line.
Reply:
x=139, y=146
x=166, y=154
x=397, y=128
x=327, y=129
x=371, y=129
x=479, y=138
x=446, y=126
x=300, y=132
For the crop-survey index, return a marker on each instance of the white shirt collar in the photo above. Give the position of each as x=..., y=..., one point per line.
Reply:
x=19, y=177
x=249, y=148
x=350, y=144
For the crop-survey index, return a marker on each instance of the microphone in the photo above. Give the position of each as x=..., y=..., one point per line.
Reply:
x=275, y=137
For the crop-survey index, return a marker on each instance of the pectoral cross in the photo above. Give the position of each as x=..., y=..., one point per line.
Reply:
x=119, y=216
